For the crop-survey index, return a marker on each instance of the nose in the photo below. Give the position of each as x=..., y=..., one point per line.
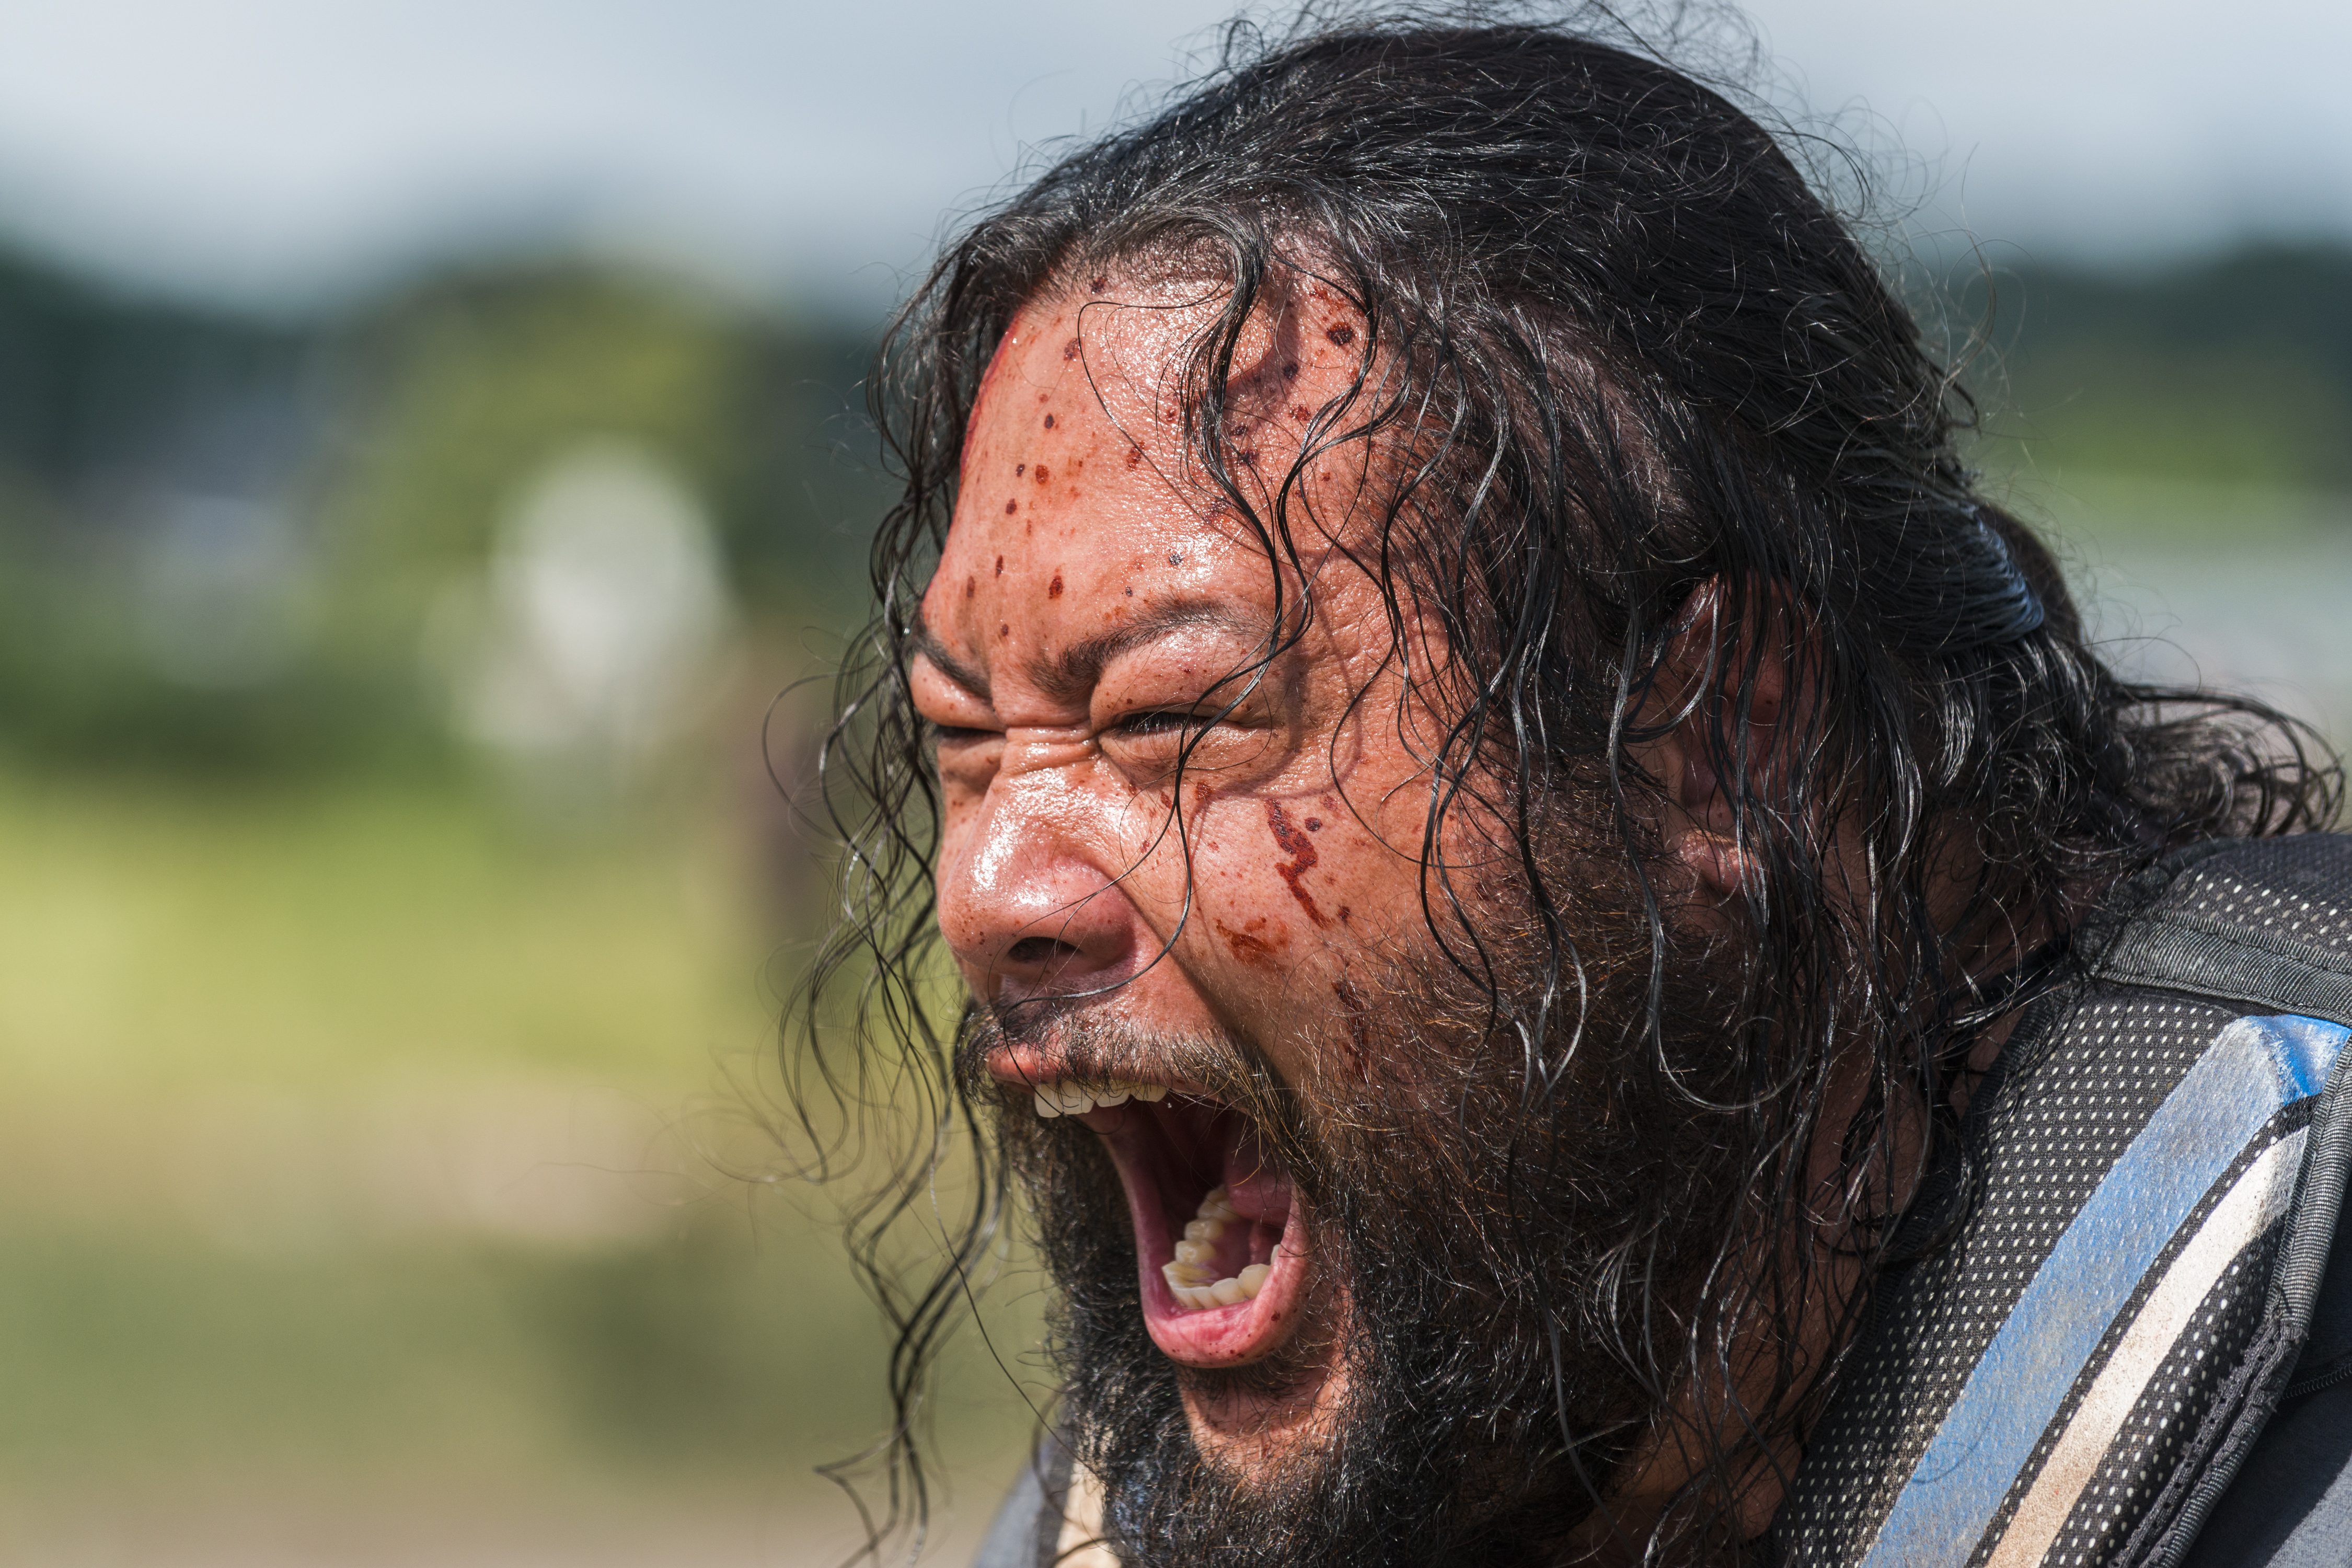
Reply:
x=1026, y=898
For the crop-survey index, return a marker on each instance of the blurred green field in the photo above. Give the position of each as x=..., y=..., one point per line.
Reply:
x=389, y=967
x=360, y=1141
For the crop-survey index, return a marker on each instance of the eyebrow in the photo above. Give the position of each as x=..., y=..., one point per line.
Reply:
x=1073, y=672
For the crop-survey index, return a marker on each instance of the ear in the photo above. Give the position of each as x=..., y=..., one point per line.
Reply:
x=1721, y=691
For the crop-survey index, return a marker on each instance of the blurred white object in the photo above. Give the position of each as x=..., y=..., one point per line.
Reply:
x=605, y=612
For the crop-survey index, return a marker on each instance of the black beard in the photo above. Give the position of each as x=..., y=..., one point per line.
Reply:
x=1522, y=1273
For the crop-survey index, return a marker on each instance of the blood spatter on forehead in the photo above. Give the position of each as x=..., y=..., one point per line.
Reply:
x=1303, y=857
x=1010, y=507
x=1053, y=589
x=1000, y=565
x=1070, y=350
x=1019, y=470
x=971, y=586
x=1043, y=474
x=1341, y=334
x=1049, y=422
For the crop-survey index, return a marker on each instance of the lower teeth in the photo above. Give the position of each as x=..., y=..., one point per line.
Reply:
x=1190, y=1277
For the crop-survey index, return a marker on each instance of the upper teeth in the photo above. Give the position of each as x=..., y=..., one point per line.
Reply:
x=1063, y=1098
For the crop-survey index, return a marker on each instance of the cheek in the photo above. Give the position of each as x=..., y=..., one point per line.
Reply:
x=1152, y=847
x=1276, y=880
x=1264, y=885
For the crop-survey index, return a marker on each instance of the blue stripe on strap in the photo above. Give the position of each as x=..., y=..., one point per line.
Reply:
x=2254, y=1068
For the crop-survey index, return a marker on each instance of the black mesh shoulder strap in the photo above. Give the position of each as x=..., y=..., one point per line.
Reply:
x=2073, y=1374
x=2269, y=946
x=2269, y=925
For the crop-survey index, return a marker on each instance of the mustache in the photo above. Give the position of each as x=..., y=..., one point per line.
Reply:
x=1085, y=1044
x=1079, y=1041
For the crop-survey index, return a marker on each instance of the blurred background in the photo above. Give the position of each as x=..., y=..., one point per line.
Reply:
x=429, y=443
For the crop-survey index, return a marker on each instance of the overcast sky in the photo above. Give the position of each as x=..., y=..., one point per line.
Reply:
x=282, y=149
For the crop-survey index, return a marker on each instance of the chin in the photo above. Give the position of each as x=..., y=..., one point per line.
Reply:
x=1266, y=1419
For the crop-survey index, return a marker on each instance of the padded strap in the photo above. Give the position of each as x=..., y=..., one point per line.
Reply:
x=2198, y=954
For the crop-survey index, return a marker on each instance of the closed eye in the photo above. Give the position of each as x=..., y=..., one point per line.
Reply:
x=1160, y=722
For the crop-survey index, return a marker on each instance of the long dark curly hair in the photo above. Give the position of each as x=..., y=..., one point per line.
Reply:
x=1631, y=352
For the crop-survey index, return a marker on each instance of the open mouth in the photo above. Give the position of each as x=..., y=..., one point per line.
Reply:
x=1220, y=1246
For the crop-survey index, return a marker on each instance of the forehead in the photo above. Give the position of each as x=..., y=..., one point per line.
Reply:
x=1082, y=498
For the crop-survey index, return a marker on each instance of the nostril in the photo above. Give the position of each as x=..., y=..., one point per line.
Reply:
x=1040, y=951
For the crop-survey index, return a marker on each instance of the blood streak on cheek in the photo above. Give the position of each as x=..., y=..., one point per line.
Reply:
x=1303, y=857
x=1254, y=943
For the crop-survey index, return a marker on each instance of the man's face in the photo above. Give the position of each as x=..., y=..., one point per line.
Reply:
x=1395, y=1282
x=1096, y=610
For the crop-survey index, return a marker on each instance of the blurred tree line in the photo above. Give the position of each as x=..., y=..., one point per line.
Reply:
x=221, y=539
x=2234, y=370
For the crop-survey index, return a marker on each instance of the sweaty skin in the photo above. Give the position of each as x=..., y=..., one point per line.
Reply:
x=1094, y=599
